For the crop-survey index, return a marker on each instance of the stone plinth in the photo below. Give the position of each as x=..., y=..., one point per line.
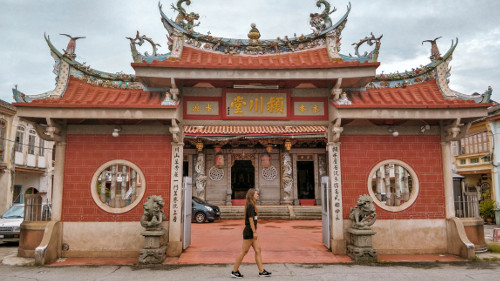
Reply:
x=359, y=245
x=154, y=251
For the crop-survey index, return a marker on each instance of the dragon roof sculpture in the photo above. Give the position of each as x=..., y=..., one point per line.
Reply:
x=437, y=69
x=325, y=32
x=65, y=66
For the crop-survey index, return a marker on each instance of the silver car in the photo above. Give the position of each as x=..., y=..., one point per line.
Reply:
x=10, y=223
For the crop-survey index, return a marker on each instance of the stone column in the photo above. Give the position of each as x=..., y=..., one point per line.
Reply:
x=229, y=190
x=287, y=179
x=174, y=247
x=448, y=179
x=57, y=188
x=199, y=168
x=338, y=244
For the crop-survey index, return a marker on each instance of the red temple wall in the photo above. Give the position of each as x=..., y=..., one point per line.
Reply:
x=360, y=154
x=86, y=153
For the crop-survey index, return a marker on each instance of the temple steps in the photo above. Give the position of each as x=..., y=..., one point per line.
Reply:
x=278, y=212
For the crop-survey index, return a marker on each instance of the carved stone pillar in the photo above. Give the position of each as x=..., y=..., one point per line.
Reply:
x=201, y=178
x=336, y=216
x=229, y=191
x=287, y=179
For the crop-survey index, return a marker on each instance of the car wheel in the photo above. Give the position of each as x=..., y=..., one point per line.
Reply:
x=200, y=217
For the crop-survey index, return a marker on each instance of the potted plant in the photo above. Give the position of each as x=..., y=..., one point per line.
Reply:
x=487, y=207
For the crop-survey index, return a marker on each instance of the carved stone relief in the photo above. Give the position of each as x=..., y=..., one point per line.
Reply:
x=201, y=178
x=216, y=174
x=270, y=173
x=287, y=177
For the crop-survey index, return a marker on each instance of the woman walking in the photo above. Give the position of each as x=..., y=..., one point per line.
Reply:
x=250, y=236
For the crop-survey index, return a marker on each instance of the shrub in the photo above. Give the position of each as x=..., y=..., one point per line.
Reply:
x=487, y=207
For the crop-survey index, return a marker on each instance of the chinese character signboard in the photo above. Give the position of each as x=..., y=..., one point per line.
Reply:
x=256, y=104
x=336, y=182
x=202, y=108
x=309, y=108
x=176, y=192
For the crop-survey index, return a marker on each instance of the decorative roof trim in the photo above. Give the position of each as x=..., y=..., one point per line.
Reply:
x=64, y=67
x=237, y=46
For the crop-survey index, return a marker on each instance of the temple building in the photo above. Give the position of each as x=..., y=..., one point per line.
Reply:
x=292, y=117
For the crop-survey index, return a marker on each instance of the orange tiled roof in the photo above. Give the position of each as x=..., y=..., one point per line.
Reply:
x=82, y=94
x=197, y=58
x=252, y=130
x=423, y=95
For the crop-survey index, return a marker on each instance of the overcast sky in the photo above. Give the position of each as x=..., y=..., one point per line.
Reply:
x=26, y=61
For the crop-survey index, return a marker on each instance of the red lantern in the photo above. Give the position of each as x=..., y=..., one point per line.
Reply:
x=219, y=160
x=265, y=160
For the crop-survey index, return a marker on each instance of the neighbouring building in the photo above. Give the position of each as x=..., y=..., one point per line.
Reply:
x=26, y=160
x=279, y=115
x=7, y=167
x=33, y=164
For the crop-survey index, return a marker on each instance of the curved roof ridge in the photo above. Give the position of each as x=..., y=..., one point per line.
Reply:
x=223, y=43
x=65, y=67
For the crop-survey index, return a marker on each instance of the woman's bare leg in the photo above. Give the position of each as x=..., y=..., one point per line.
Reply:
x=258, y=255
x=244, y=250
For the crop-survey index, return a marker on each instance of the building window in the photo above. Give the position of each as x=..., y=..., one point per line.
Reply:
x=118, y=186
x=462, y=161
x=31, y=142
x=19, y=139
x=474, y=160
x=393, y=185
x=41, y=148
x=18, y=195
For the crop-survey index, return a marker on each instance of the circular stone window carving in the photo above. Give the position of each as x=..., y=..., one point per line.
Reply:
x=216, y=174
x=270, y=173
x=393, y=185
x=118, y=186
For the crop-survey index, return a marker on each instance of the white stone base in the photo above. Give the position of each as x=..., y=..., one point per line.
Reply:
x=103, y=239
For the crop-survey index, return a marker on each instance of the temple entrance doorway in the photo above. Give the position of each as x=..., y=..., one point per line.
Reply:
x=305, y=180
x=242, y=178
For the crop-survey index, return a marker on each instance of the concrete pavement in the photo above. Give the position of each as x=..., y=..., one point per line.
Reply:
x=373, y=272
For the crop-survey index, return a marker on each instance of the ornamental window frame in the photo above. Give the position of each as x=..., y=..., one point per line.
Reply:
x=139, y=195
x=415, y=185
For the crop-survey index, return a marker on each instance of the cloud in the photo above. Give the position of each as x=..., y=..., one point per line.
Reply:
x=405, y=24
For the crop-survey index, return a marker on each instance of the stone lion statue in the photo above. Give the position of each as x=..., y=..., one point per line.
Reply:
x=363, y=215
x=153, y=214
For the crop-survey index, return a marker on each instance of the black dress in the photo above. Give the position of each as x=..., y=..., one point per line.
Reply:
x=247, y=232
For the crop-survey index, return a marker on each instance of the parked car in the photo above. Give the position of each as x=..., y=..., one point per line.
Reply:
x=203, y=211
x=10, y=223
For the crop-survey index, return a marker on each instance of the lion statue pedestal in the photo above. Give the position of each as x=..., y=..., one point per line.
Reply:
x=359, y=242
x=155, y=250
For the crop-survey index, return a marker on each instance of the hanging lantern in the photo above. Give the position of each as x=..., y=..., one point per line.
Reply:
x=199, y=146
x=269, y=148
x=219, y=160
x=219, y=157
x=265, y=160
x=288, y=145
